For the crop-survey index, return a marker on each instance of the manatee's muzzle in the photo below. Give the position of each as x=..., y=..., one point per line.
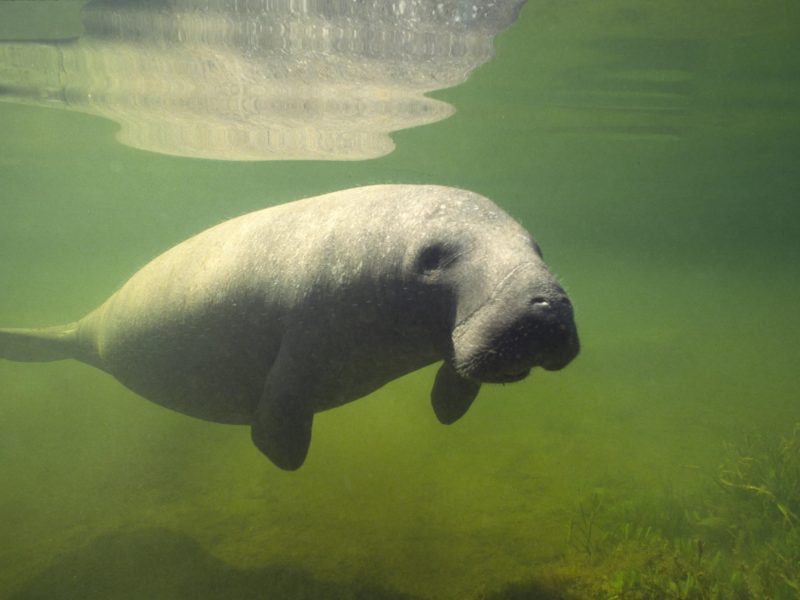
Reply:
x=554, y=334
x=528, y=322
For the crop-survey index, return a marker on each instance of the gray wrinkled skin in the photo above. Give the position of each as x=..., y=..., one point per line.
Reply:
x=273, y=316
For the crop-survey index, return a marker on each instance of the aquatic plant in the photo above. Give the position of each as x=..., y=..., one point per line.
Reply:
x=584, y=532
x=760, y=481
x=764, y=481
x=739, y=540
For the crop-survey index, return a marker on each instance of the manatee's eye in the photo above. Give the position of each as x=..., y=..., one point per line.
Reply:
x=537, y=249
x=434, y=257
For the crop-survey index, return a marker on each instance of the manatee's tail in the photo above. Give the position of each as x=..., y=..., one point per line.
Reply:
x=40, y=345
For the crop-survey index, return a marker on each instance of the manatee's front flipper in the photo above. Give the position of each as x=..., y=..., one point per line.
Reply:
x=452, y=395
x=281, y=428
x=282, y=432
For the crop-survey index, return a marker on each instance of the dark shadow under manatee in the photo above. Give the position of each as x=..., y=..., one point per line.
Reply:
x=535, y=590
x=157, y=563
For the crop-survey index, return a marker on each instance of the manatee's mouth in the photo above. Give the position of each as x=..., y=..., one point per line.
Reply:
x=508, y=377
x=491, y=366
x=486, y=372
x=511, y=355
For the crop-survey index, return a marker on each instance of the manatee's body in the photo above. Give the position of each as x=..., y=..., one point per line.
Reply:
x=270, y=317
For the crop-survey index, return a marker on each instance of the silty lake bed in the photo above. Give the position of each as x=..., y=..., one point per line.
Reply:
x=652, y=151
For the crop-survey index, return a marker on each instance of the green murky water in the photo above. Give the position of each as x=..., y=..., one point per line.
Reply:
x=652, y=148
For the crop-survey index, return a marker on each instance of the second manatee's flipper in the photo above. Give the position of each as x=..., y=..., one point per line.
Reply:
x=452, y=395
x=281, y=427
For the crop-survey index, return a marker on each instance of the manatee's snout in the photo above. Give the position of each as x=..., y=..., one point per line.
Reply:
x=552, y=332
x=527, y=322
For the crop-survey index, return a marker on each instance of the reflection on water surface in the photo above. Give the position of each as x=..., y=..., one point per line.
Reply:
x=259, y=79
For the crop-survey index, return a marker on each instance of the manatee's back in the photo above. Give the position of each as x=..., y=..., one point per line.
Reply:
x=197, y=328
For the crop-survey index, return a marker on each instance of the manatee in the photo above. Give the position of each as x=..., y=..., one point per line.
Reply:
x=273, y=316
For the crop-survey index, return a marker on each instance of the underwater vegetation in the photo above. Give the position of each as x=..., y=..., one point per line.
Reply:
x=739, y=539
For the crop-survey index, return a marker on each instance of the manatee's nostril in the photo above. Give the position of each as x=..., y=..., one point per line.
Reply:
x=539, y=302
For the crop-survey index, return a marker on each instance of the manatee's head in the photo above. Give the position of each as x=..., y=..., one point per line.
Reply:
x=505, y=311
x=526, y=321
